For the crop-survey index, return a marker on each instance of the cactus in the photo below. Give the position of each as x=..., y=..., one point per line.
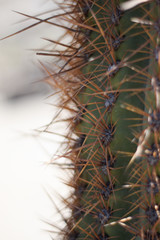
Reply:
x=108, y=79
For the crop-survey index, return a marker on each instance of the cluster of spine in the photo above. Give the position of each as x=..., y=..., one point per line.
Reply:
x=108, y=79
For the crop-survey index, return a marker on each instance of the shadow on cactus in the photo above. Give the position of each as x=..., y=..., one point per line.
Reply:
x=108, y=79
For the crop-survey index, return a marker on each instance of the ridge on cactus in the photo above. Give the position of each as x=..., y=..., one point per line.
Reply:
x=108, y=79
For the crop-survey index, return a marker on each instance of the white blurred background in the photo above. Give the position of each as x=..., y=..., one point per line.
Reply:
x=24, y=155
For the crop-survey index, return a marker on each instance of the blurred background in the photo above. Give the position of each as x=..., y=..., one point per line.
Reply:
x=25, y=173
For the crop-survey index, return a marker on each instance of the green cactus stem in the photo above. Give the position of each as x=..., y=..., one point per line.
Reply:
x=108, y=79
x=112, y=78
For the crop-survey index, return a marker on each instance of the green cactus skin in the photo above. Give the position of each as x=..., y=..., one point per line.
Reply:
x=108, y=79
x=112, y=78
